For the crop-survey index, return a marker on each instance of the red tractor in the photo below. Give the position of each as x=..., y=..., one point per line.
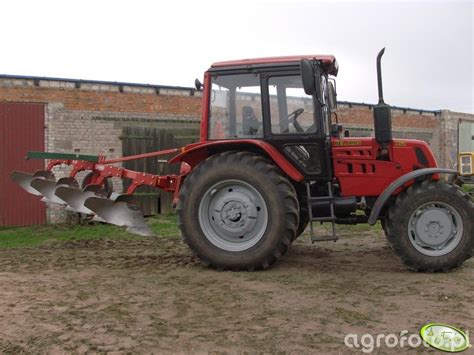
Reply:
x=270, y=161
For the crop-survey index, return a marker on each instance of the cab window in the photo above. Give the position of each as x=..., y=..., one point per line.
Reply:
x=236, y=107
x=291, y=109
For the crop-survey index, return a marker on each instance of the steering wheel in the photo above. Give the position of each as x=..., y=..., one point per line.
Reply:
x=292, y=117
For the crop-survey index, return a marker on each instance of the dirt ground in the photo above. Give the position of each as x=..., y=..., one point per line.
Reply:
x=147, y=295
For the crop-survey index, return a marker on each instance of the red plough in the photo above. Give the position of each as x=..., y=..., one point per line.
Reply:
x=95, y=199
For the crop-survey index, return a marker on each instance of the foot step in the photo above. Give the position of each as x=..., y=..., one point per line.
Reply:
x=331, y=218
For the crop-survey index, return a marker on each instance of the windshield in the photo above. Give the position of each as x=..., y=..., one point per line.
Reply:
x=236, y=106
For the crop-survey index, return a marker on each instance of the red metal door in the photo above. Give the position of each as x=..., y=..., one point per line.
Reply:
x=21, y=130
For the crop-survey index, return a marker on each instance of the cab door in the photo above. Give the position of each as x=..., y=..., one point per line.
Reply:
x=294, y=124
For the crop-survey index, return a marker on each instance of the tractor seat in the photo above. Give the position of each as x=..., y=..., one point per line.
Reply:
x=250, y=122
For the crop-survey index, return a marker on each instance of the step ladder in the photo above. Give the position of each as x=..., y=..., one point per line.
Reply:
x=331, y=218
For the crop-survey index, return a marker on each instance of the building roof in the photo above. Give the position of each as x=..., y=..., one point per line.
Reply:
x=77, y=84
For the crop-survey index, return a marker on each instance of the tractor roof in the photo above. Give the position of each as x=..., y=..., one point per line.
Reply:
x=328, y=61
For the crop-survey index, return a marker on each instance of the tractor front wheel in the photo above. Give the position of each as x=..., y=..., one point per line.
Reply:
x=237, y=211
x=430, y=226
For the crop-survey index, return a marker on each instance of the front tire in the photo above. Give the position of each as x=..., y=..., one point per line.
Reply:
x=430, y=226
x=237, y=211
x=386, y=231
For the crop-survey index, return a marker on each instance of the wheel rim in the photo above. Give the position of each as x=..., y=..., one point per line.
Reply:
x=435, y=228
x=233, y=215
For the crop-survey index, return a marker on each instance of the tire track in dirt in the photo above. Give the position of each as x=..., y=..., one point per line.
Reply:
x=153, y=295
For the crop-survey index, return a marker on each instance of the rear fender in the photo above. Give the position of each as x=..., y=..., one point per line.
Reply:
x=193, y=154
x=402, y=180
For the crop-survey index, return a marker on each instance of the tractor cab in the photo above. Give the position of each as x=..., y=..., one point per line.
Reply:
x=268, y=99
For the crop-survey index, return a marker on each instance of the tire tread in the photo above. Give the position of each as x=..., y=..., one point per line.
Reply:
x=285, y=191
x=397, y=210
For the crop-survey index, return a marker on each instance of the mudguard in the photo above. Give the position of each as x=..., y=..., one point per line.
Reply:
x=390, y=189
x=193, y=154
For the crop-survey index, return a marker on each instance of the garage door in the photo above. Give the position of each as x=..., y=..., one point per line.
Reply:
x=21, y=130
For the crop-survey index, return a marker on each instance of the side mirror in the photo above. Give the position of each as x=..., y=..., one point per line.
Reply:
x=307, y=76
x=332, y=96
x=197, y=84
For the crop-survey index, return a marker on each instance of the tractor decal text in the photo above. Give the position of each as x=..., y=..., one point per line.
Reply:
x=400, y=144
x=347, y=143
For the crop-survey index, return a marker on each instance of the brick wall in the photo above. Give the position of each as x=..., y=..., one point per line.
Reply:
x=406, y=123
x=88, y=117
x=95, y=97
x=449, y=135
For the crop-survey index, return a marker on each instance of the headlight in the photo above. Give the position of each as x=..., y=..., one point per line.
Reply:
x=465, y=164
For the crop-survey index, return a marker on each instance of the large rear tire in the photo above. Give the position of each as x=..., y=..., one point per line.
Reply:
x=303, y=224
x=430, y=226
x=237, y=211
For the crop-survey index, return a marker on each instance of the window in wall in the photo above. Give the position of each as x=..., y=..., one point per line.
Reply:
x=466, y=136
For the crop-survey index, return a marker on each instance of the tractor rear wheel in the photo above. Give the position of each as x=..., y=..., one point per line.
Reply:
x=430, y=226
x=304, y=221
x=237, y=211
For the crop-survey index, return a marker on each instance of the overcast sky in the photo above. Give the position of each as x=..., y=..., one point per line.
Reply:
x=428, y=62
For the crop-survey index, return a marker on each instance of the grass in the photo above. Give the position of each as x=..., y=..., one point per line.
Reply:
x=354, y=229
x=469, y=188
x=163, y=226
x=33, y=236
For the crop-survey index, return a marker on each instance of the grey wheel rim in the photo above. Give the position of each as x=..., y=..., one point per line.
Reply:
x=233, y=215
x=435, y=228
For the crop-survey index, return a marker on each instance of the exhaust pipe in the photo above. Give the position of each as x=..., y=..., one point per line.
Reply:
x=382, y=111
x=379, y=75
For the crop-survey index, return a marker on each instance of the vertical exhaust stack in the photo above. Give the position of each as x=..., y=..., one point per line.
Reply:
x=382, y=112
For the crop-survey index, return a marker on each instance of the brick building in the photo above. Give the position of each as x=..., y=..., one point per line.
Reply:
x=90, y=117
